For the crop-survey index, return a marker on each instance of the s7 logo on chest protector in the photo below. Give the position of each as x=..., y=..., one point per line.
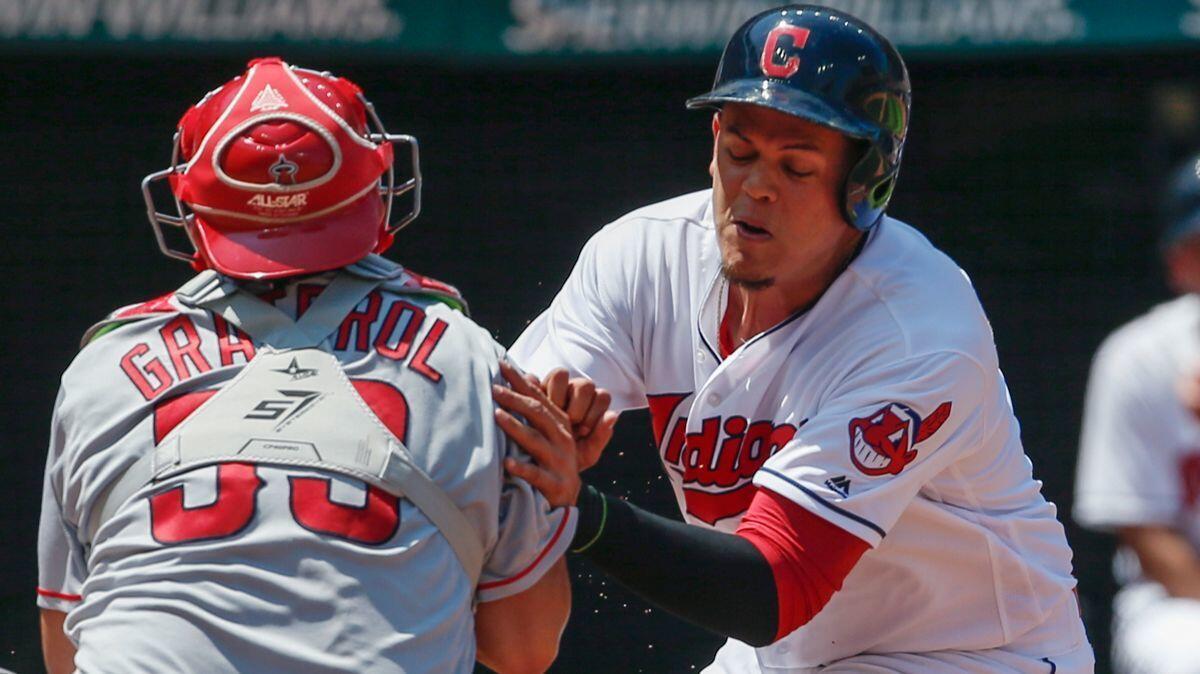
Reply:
x=884, y=442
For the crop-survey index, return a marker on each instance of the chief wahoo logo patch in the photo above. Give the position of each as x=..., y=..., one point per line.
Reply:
x=884, y=442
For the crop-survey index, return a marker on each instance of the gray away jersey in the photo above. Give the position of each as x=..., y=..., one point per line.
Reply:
x=258, y=568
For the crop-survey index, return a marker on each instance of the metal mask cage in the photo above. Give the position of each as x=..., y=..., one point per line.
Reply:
x=388, y=189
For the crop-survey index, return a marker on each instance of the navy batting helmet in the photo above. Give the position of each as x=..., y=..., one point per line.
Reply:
x=832, y=69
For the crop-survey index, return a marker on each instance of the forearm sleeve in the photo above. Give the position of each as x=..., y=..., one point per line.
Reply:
x=716, y=580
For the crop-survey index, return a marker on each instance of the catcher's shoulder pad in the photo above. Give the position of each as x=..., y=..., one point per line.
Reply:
x=400, y=279
x=417, y=284
x=129, y=314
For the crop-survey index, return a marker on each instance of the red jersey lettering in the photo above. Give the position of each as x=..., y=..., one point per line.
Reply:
x=173, y=522
x=420, y=362
x=359, y=322
x=183, y=345
x=718, y=461
x=305, y=294
x=372, y=523
x=232, y=341
x=409, y=318
x=151, y=378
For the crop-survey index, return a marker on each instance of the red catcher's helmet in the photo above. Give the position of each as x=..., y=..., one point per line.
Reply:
x=277, y=173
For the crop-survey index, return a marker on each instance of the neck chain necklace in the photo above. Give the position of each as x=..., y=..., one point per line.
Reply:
x=725, y=292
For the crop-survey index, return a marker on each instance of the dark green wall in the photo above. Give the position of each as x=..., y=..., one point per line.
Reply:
x=1034, y=175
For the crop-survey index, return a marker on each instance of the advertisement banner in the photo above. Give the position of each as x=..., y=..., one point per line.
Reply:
x=459, y=30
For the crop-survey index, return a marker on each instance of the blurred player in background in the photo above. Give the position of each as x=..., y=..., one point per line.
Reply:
x=1139, y=466
x=823, y=387
x=291, y=463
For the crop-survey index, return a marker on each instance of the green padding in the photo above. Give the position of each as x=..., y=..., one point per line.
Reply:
x=107, y=329
x=453, y=304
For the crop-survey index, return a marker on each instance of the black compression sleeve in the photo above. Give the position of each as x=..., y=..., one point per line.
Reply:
x=716, y=580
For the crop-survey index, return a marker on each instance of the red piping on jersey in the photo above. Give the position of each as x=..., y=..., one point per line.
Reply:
x=810, y=557
x=553, y=539
x=160, y=304
x=433, y=284
x=59, y=595
x=725, y=344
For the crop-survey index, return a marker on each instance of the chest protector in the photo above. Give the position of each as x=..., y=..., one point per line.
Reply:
x=293, y=405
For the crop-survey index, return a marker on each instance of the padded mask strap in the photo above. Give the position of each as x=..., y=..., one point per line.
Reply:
x=266, y=323
x=376, y=267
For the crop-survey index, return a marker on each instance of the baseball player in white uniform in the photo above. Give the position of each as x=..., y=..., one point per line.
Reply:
x=291, y=463
x=1139, y=464
x=824, y=392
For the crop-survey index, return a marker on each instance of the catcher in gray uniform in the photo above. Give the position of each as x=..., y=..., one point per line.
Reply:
x=291, y=462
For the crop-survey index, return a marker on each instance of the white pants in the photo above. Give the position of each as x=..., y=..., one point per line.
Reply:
x=736, y=657
x=1154, y=633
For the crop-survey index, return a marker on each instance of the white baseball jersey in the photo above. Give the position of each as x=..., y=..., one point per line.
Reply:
x=240, y=567
x=880, y=409
x=1140, y=452
x=1139, y=464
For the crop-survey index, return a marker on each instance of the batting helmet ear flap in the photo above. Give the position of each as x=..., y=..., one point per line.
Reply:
x=870, y=183
x=868, y=188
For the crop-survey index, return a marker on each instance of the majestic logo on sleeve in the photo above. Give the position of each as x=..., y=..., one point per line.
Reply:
x=884, y=442
x=715, y=464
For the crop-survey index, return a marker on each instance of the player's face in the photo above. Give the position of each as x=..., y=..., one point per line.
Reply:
x=777, y=183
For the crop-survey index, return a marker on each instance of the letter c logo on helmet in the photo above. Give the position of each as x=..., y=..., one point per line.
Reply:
x=832, y=69
x=282, y=171
x=773, y=51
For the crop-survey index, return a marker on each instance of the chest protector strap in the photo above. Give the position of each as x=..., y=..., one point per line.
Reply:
x=293, y=405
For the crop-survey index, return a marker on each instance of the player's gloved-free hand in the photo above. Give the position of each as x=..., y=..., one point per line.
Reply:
x=547, y=436
x=585, y=406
